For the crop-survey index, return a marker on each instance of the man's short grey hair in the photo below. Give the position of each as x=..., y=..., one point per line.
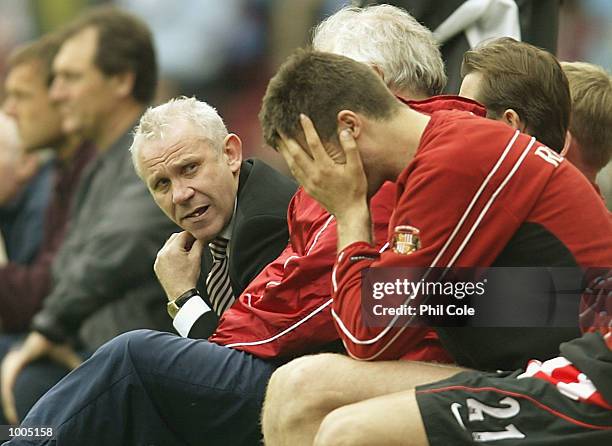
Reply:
x=158, y=122
x=11, y=148
x=389, y=38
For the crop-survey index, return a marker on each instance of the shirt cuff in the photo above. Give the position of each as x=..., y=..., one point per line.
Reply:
x=367, y=250
x=188, y=315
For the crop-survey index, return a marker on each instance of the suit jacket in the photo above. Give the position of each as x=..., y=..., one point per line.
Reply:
x=259, y=233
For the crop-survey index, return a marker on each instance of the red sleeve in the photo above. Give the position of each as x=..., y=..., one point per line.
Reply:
x=286, y=310
x=462, y=222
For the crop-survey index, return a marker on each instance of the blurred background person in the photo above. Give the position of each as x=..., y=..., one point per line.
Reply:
x=585, y=34
x=27, y=101
x=104, y=76
x=590, y=132
x=24, y=192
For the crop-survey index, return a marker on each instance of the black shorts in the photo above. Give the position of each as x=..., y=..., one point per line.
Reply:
x=473, y=408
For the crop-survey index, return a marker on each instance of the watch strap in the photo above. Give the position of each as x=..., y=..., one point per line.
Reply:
x=175, y=305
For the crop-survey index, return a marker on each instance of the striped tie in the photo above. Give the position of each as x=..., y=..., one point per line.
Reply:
x=218, y=283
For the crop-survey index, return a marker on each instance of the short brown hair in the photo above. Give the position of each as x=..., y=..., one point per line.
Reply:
x=320, y=85
x=41, y=51
x=527, y=79
x=591, y=123
x=125, y=44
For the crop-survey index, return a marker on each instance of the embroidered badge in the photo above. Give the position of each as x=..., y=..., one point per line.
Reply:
x=406, y=239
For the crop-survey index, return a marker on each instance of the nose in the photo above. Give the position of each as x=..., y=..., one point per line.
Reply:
x=56, y=90
x=181, y=192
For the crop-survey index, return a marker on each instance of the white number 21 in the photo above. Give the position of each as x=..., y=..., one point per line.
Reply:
x=477, y=410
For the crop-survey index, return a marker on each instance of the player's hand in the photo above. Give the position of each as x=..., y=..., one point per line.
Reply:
x=177, y=265
x=34, y=347
x=338, y=183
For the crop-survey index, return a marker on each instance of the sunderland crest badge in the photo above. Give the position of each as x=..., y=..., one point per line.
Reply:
x=406, y=239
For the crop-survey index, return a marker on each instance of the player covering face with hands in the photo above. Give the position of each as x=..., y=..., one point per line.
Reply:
x=459, y=176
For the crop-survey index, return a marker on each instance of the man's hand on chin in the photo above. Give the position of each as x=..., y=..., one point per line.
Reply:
x=177, y=265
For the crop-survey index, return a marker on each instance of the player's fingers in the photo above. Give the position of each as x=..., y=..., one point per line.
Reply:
x=312, y=139
x=293, y=154
x=349, y=145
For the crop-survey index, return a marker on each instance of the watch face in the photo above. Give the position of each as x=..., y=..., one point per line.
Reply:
x=174, y=306
x=172, y=309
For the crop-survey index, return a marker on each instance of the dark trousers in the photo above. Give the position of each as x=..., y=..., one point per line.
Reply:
x=151, y=388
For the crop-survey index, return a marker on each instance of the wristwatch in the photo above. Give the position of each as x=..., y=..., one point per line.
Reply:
x=175, y=305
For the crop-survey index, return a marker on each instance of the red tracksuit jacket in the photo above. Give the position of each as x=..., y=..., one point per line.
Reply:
x=472, y=185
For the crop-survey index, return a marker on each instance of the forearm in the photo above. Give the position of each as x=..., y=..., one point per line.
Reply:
x=354, y=225
x=363, y=339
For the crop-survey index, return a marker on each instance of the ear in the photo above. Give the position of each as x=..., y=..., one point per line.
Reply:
x=513, y=119
x=567, y=144
x=232, y=152
x=348, y=119
x=123, y=84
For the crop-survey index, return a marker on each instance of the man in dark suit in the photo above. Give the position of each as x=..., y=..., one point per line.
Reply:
x=233, y=212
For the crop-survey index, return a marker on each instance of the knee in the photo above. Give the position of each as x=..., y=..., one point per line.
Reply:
x=342, y=427
x=303, y=379
x=133, y=346
x=297, y=390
